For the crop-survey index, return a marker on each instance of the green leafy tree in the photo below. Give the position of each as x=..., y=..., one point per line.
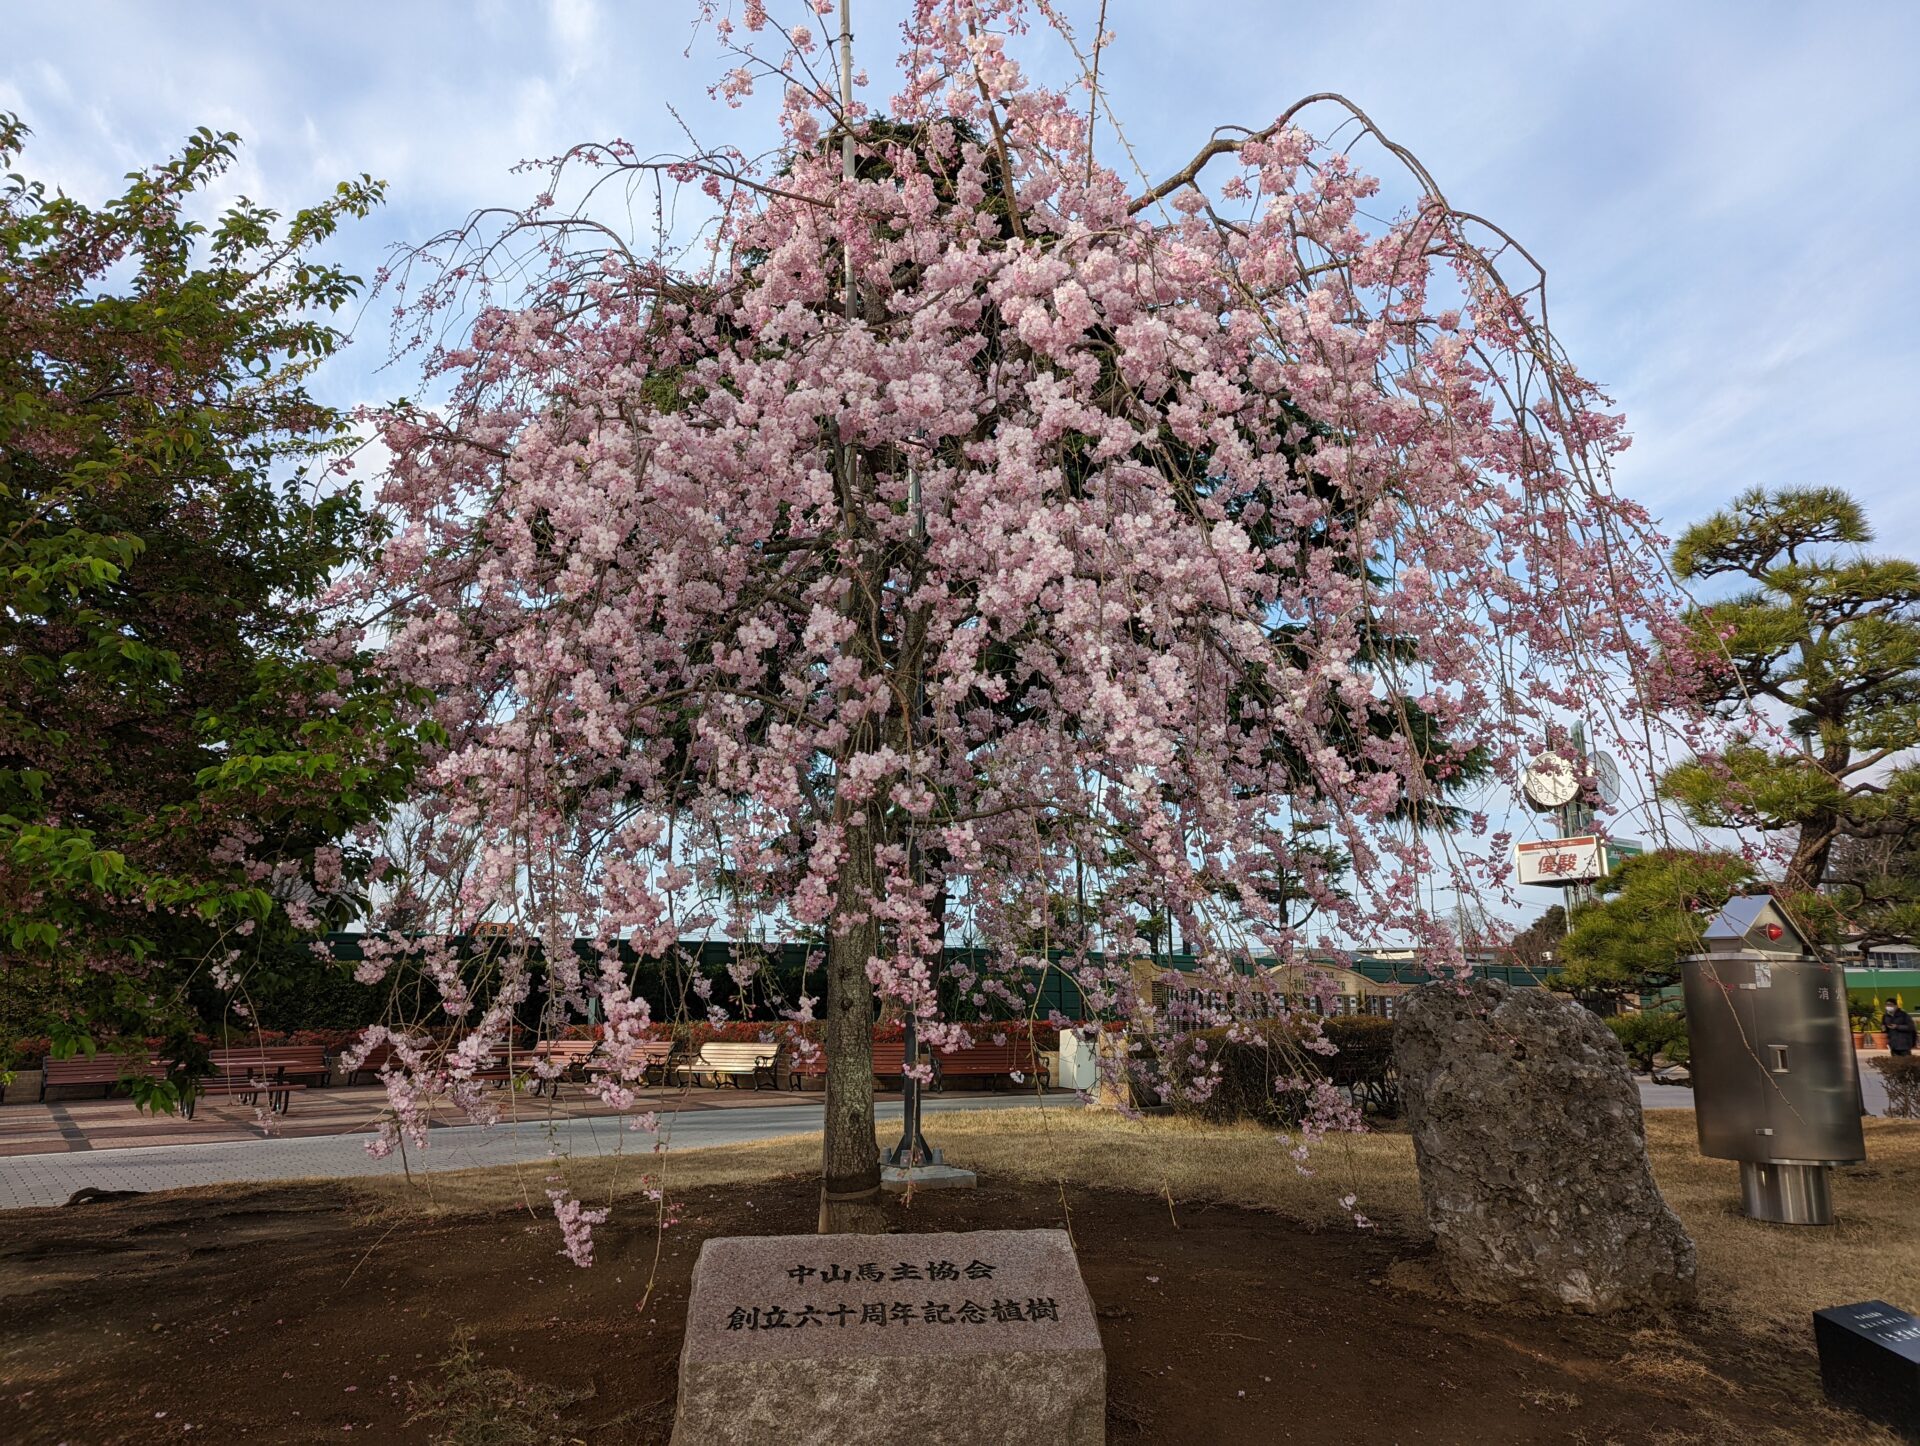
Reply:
x=183, y=749
x=1827, y=633
x=1650, y=915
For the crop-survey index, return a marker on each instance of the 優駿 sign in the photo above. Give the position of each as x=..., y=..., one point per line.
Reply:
x=1558, y=861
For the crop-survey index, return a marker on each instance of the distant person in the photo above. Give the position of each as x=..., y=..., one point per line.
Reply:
x=1900, y=1031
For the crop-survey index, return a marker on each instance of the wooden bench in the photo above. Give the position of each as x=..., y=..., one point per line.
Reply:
x=110, y=1069
x=570, y=1054
x=889, y=1062
x=280, y=1061
x=721, y=1059
x=988, y=1061
x=245, y=1088
x=100, y=1069
x=653, y=1056
x=505, y=1065
x=380, y=1057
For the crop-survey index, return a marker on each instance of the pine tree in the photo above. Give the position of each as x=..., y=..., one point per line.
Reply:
x=1830, y=635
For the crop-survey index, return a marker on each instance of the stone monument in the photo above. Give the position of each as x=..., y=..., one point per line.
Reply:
x=1532, y=1154
x=848, y=1339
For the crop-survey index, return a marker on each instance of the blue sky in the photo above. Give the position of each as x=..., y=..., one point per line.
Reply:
x=1724, y=194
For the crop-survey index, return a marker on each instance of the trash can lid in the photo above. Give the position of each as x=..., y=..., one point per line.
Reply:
x=1756, y=922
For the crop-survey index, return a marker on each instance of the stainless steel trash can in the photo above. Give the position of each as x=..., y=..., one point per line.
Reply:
x=1775, y=1082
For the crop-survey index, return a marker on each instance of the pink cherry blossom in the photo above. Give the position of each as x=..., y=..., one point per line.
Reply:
x=1112, y=552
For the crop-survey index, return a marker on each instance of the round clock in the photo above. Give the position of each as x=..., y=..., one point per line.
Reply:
x=1550, y=782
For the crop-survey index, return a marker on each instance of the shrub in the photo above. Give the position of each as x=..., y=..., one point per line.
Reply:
x=1644, y=1035
x=27, y=1053
x=1902, y=1072
x=1249, y=1085
x=30, y=1052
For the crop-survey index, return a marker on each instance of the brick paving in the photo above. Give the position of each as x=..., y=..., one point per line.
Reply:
x=73, y=1121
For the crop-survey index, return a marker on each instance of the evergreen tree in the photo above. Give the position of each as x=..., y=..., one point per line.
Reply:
x=1829, y=634
x=1650, y=915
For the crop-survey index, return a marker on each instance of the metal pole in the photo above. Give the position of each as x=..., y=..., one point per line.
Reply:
x=1578, y=816
x=913, y=1148
x=846, y=118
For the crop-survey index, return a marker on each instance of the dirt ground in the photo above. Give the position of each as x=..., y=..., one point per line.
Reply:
x=318, y=1312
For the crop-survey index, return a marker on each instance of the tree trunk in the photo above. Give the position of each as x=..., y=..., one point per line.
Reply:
x=1820, y=828
x=850, y=1156
x=1808, y=870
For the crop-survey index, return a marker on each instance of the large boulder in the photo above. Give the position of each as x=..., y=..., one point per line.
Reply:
x=1532, y=1155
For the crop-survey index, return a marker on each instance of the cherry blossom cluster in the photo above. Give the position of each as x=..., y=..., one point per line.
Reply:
x=985, y=546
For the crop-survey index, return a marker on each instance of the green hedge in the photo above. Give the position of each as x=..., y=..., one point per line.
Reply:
x=1902, y=1073
x=1644, y=1035
x=1249, y=1069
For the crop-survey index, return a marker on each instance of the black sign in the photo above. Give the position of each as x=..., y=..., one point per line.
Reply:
x=1870, y=1362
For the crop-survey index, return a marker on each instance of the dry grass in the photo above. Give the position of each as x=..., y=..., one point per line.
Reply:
x=1781, y=1273
x=1233, y=1165
x=594, y=1179
x=1767, y=1275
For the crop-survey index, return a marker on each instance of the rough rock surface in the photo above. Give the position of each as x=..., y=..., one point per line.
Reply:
x=1532, y=1154
x=860, y=1340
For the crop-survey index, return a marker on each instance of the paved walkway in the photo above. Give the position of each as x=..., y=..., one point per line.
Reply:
x=49, y=1151
x=50, y=1178
x=1873, y=1094
x=91, y=1122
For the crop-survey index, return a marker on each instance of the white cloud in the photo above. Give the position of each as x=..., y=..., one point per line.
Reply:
x=576, y=33
x=1723, y=194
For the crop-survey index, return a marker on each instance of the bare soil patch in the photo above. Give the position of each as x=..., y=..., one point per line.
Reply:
x=320, y=1312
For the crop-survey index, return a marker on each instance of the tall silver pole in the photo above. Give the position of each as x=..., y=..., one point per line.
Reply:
x=913, y=1148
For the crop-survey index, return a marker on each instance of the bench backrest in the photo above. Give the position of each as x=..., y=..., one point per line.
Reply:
x=378, y=1058
x=889, y=1057
x=988, y=1059
x=565, y=1048
x=643, y=1052
x=296, y=1056
x=95, y=1069
x=722, y=1054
